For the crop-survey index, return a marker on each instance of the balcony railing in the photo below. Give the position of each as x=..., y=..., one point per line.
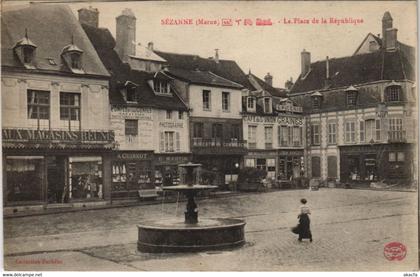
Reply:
x=397, y=136
x=217, y=142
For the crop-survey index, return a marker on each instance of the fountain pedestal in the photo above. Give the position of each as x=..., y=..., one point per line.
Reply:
x=173, y=235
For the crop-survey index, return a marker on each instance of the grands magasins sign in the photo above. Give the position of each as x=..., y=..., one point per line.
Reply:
x=16, y=135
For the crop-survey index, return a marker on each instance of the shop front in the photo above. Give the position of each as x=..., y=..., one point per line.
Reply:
x=290, y=164
x=219, y=170
x=47, y=167
x=166, y=168
x=263, y=159
x=131, y=172
x=377, y=162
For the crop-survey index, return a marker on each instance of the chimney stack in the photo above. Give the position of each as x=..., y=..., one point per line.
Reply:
x=150, y=46
x=386, y=24
x=391, y=39
x=89, y=16
x=327, y=72
x=288, y=84
x=126, y=35
x=305, y=62
x=268, y=79
x=216, y=55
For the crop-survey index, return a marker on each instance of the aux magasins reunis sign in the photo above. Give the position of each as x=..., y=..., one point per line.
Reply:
x=57, y=135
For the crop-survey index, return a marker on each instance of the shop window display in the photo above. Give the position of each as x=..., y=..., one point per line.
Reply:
x=85, y=178
x=24, y=178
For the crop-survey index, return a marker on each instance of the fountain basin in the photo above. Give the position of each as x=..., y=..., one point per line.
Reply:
x=174, y=235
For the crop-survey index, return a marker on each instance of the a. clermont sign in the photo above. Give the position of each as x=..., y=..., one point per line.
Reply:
x=57, y=135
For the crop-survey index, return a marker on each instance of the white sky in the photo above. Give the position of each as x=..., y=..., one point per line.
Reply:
x=275, y=49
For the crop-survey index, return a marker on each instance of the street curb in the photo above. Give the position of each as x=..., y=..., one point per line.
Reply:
x=42, y=212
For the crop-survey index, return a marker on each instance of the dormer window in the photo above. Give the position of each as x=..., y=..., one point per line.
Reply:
x=76, y=61
x=25, y=51
x=316, y=100
x=129, y=92
x=161, y=87
x=72, y=56
x=351, y=96
x=393, y=93
x=267, y=105
x=250, y=104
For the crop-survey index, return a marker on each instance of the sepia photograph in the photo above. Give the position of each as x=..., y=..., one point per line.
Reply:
x=227, y=136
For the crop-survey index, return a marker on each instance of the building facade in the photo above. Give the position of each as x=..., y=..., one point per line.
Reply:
x=56, y=136
x=360, y=111
x=275, y=128
x=150, y=121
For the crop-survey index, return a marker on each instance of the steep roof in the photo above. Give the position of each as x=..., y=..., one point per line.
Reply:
x=358, y=69
x=51, y=28
x=227, y=69
x=202, y=78
x=121, y=72
x=277, y=92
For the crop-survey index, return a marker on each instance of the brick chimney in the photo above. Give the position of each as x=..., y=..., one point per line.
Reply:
x=89, y=16
x=288, y=84
x=268, y=79
x=126, y=34
x=327, y=82
x=391, y=39
x=216, y=55
x=386, y=24
x=305, y=62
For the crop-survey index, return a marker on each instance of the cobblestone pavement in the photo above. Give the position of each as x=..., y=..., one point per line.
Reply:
x=350, y=229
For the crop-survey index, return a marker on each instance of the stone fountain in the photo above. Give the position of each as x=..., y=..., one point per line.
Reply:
x=191, y=234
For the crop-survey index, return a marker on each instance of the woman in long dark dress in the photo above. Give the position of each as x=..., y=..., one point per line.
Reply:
x=304, y=227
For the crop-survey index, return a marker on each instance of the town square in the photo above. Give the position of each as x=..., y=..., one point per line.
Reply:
x=147, y=136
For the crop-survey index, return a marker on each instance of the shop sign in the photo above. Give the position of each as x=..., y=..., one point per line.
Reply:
x=171, y=124
x=273, y=119
x=290, y=153
x=288, y=108
x=172, y=159
x=57, y=135
x=262, y=153
x=134, y=156
x=131, y=112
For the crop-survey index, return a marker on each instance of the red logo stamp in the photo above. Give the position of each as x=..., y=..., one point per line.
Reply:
x=395, y=251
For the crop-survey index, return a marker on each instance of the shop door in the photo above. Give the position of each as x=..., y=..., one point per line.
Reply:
x=56, y=178
x=289, y=168
x=371, y=173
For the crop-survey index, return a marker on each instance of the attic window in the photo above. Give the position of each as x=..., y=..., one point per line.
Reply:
x=28, y=54
x=161, y=87
x=72, y=56
x=393, y=93
x=250, y=105
x=316, y=100
x=351, y=96
x=25, y=51
x=76, y=61
x=131, y=94
x=267, y=105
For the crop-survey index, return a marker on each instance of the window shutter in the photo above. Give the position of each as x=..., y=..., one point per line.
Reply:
x=162, y=142
x=410, y=129
x=177, y=142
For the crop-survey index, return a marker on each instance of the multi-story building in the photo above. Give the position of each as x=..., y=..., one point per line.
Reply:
x=150, y=121
x=360, y=111
x=56, y=136
x=212, y=89
x=274, y=127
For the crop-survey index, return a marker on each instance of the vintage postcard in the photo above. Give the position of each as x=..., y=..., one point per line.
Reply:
x=209, y=136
